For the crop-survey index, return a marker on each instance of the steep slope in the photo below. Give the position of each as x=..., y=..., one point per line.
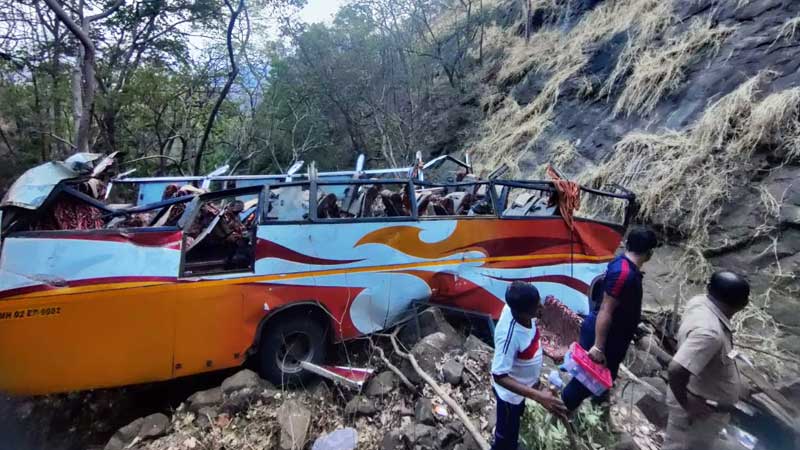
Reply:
x=693, y=104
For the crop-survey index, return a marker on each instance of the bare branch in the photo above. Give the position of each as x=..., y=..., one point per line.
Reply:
x=111, y=9
x=73, y=27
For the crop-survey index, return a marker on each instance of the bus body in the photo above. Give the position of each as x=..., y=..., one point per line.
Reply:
x=83, y=309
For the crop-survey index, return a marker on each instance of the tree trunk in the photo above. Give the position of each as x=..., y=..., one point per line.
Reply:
x=198, y=159
x=85, y=84
x=87, y=92
x=77, y=87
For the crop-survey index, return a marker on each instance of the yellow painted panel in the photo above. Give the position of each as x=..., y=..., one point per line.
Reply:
x=87, y=340
x=209, y=329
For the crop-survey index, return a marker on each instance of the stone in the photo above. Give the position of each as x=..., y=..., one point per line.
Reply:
x=642, y=364
x=476, y=404
x=239, y=401
x=143, y=428
x=341, y=439
x=445, y=437
x=404, y=410
x=294, y=419
x=431, y=320
x=419, y=435
x=478, y=351
x=209, y=397
x=125, y=435
x=382, y=384
x=650, y=344
x=654, y=409
x=452, y=371
x=658, y=383
x=393, y=440
x=360, y=405
x=205, y=416
x=153, y=426
x=428, y=352
x=625, y=442
x=423, y=411
x=491, y=417
x=321, y=391
x=243, y=380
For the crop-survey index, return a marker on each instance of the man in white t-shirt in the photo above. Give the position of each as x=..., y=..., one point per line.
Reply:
x=517, y=364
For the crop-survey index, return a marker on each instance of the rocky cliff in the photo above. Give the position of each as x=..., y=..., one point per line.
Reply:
x=692, y=104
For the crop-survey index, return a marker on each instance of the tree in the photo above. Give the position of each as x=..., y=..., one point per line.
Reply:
x=85, y=84
x=234, y=71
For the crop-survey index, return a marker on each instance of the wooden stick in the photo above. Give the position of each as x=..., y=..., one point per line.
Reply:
x=438, y=390
x=394, y=368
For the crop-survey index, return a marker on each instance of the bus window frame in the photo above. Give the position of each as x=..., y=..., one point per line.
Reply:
x=191, y=213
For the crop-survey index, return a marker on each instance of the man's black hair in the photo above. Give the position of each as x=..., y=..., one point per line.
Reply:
x=521, y=296
x=641, y=240
x=729, y=288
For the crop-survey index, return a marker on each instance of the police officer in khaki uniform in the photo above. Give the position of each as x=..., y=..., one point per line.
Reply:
x=703, y=376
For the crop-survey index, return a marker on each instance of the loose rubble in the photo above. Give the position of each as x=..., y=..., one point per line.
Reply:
x=247, y=412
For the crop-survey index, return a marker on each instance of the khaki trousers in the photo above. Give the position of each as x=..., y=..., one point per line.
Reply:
x=685, y=433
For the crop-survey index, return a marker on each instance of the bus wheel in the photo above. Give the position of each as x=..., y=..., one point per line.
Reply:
x=285, y=343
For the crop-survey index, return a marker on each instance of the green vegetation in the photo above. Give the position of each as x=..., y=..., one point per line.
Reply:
x=540, y=430
x=182, y=86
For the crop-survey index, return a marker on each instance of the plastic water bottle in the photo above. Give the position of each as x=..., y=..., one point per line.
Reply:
x=555, y=379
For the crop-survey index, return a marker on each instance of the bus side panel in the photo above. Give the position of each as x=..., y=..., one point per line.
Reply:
x=83, y=341
x=86, y=310
x=208, y=328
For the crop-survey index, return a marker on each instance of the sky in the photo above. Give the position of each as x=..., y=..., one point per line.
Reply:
x=320, y=10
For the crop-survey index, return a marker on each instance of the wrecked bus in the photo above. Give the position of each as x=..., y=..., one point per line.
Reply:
x=220, y=268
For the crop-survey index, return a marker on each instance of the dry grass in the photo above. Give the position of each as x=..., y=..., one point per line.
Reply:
x=508, y=134
x=788, y=31
x=683, y=177
x=563, y=155
x=511, y=130
x=658, y=71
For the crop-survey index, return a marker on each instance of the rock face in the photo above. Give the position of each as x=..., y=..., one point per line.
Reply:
x=757, y=231
x=294, y=419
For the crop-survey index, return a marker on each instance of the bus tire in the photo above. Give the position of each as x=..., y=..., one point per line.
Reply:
x=287, y=341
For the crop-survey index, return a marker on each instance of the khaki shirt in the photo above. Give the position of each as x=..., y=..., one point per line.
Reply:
x=705, y=342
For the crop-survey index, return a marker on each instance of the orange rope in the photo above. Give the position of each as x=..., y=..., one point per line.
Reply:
x=569, y=196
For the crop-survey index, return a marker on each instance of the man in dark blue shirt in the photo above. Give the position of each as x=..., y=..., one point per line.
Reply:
x=608, y=330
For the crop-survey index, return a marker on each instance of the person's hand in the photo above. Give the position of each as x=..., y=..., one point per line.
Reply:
x=551, y=403
x=697, y=406
x=597, y=355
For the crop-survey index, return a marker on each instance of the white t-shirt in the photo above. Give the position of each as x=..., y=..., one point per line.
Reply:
x=517, y=353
